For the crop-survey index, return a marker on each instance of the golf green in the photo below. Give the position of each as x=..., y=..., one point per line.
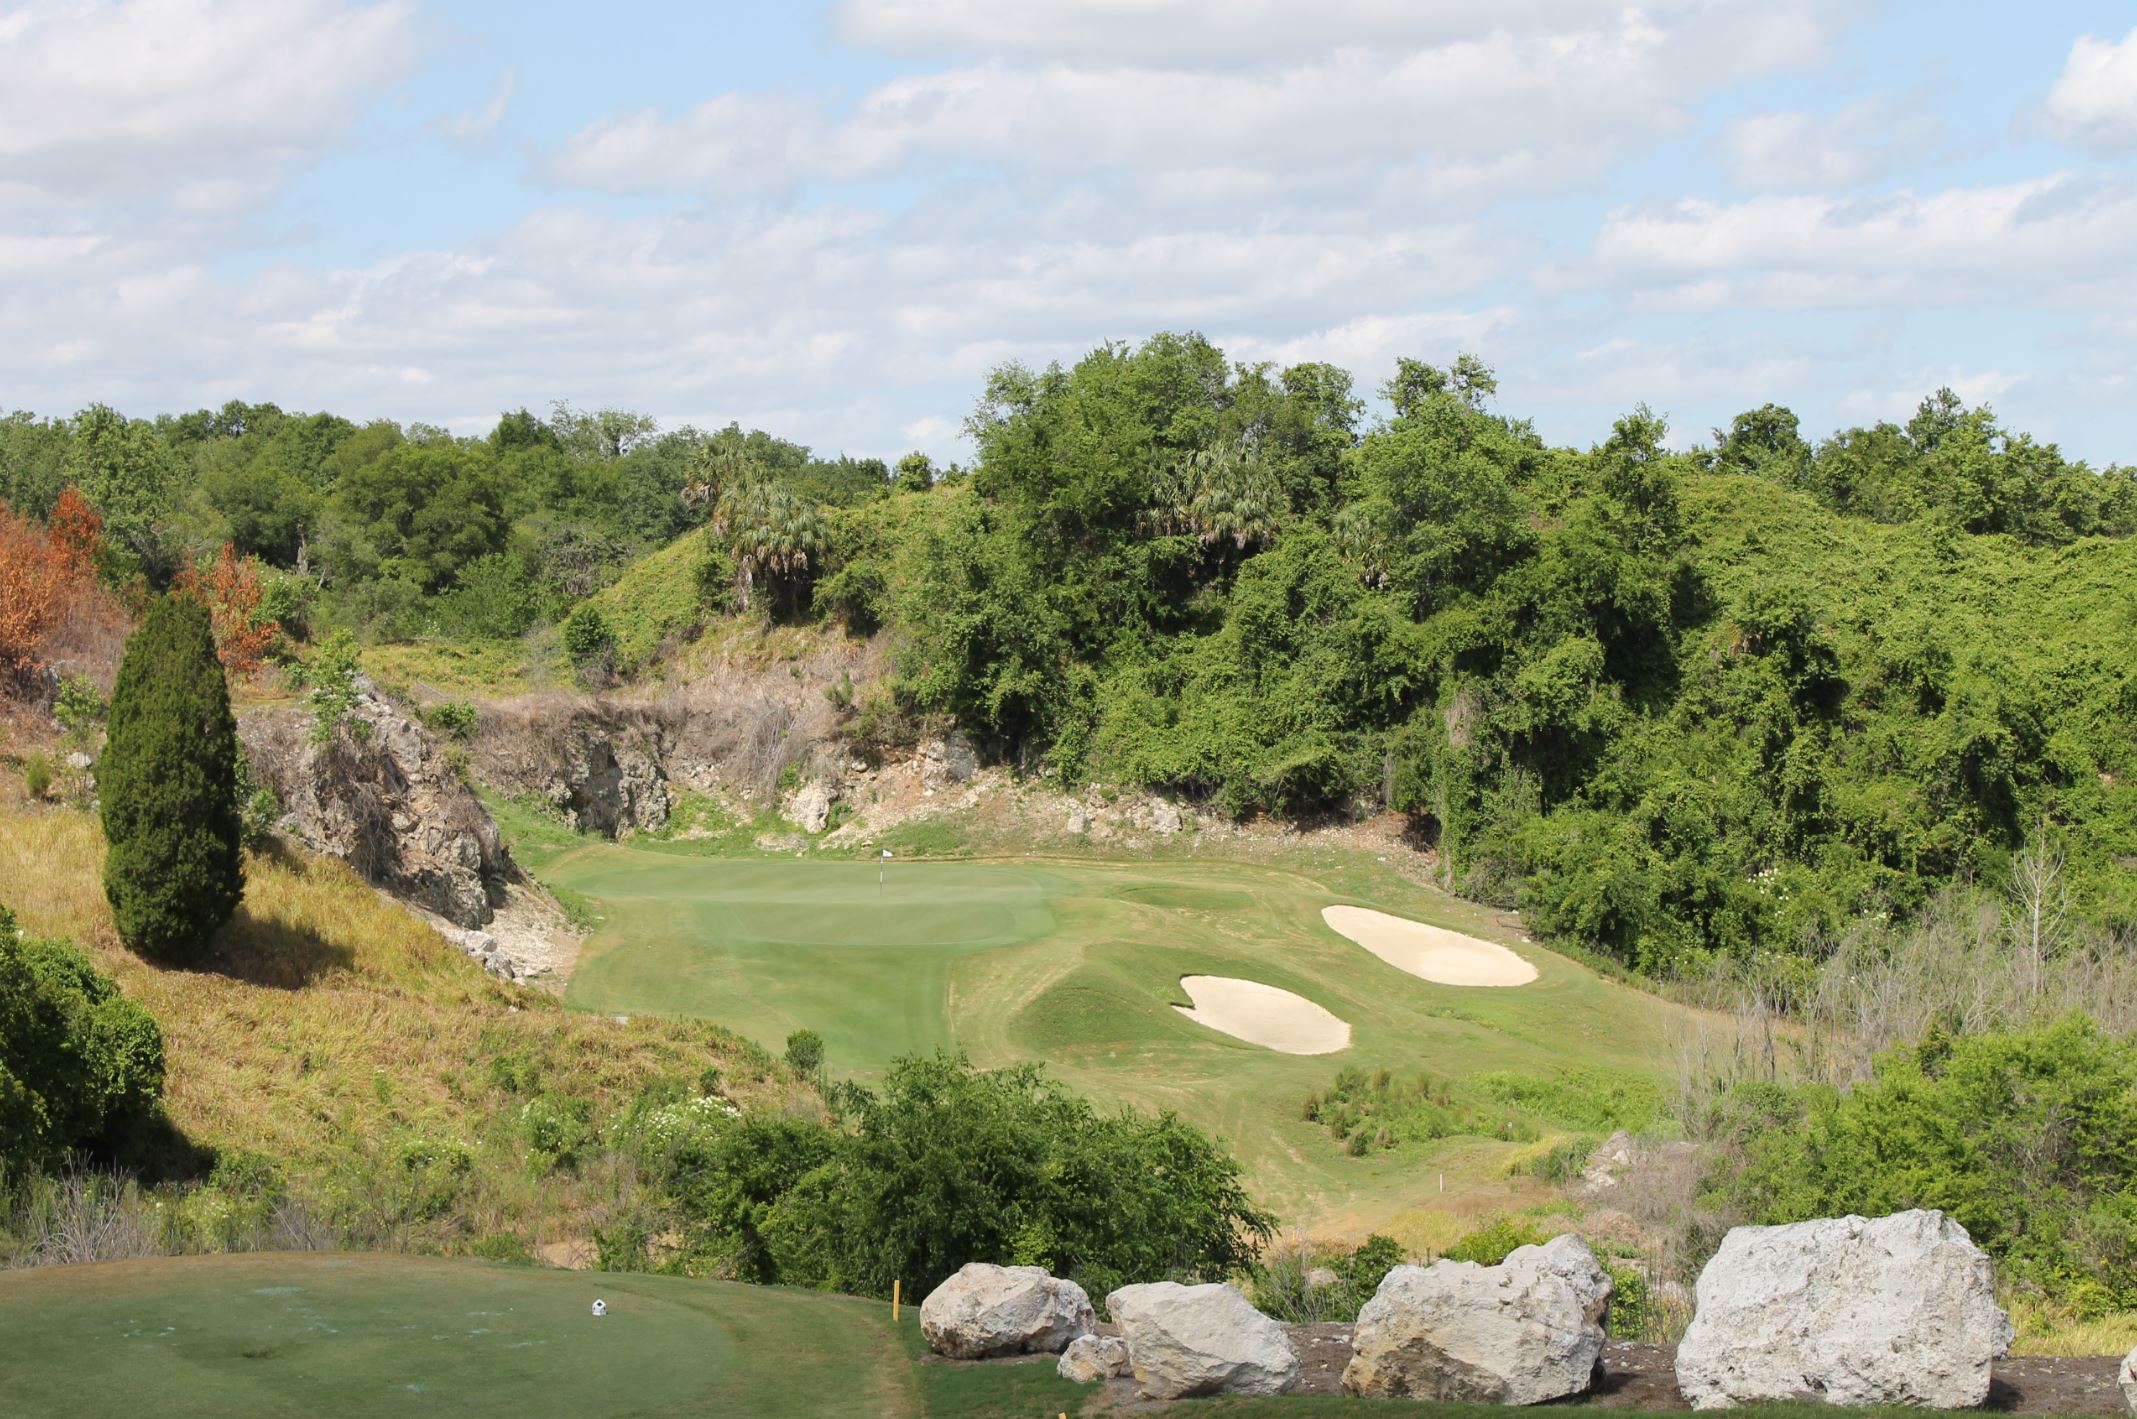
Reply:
x=286, y=1334
x=1078, y=964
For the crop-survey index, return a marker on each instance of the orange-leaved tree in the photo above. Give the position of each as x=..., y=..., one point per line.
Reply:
x=33, y=593
x=231, y=591
x=77, y=532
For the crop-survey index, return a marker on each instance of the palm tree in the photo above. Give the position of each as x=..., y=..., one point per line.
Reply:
x=1361, y=535
x=1223, y=494
x=774, y=537
x=715, y=470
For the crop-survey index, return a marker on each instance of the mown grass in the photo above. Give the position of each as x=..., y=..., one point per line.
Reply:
x=1077, y=963
x=332, y=1028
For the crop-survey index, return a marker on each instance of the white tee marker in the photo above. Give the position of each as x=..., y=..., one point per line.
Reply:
x=600, y=1309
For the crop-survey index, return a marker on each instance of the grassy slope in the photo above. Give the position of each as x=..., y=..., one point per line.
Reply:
x=1077, y=963
x=332, y=1019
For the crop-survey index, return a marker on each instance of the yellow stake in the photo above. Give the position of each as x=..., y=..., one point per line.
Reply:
x=896, y=1287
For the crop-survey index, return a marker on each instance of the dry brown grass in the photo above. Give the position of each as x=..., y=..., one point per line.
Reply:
x=330, y=1016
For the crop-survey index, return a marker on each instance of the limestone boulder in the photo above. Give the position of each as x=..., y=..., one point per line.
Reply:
x=1848, y=1310
x=987, y=1310
x=1525, y=1331
x=2128, y=1378
x=810, y=807
x=1093, y=1359
x=1185, y=1341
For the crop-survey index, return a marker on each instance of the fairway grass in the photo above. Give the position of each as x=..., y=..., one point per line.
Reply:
x=1079, y=964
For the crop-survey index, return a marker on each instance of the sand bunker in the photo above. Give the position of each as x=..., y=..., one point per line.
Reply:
x=1263, y=1015
x=1433, y=952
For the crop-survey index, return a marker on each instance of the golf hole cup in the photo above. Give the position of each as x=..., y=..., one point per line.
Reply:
x=600, y=1309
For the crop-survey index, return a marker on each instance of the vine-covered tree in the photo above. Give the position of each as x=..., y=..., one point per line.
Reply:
x=168, y=780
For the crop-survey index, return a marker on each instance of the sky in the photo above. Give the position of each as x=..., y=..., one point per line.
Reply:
x=831, y=221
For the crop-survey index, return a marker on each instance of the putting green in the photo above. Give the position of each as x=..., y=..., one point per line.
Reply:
x=1078, y=964
x=374, y=1335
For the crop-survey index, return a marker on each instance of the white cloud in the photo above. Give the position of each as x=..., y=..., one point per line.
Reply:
x=2039, y=233
x=2094, y=101
x=1859, y=143
x=198, y=103
x=1546, y=94
x=474, y=126
x=1225, y=33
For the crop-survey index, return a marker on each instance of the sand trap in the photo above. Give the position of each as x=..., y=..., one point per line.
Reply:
x=1263, y=1015
x=1433, y=952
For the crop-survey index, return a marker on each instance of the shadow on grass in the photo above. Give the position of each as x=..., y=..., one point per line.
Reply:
x=268, y=951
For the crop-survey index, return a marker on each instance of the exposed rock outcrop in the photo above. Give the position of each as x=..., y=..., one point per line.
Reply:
x=1900, y=1310
x=2128, y=1379
x=603, y=766
x=1525, y=1331
x=1093, y=1359
x=810, y=807
x=986, y=1310
x=382, y=796
x=1185, y=1341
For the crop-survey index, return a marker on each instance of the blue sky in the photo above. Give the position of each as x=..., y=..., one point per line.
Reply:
x=830, y=221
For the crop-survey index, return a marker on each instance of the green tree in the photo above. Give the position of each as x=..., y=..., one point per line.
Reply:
x=168, y=781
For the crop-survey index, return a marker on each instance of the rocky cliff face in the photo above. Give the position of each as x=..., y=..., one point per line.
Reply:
x=602, y=765
x=381, y=796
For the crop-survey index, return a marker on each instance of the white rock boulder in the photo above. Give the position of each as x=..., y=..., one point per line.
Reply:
x=1185, y=1341
x=987, y=1310
x=1900, y=1310
x=2128, y=1378
x=810, y=809
x=1091, y=1359
x=1523, y=1332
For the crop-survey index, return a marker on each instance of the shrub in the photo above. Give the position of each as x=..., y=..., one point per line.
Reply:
x=79, y=709
x=168, y=780
x=78, y=1061
x=2027, y=1138
x=456, y=719
x=334, y=690
x=805, y=1053
x=945, y=1164
x=37, y=774
x=590, y=644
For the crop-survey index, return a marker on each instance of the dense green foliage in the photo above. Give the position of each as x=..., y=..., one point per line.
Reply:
x=1672, y=704
x=168, y=781
x=79, y=1062
x=2028, y=1138
x=399, y=532
x=944, y=1164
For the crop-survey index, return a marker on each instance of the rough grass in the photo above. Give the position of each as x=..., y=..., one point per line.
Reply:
x=330, y=1020
x=659, y=603
x=467, y=669
x=1077, y=963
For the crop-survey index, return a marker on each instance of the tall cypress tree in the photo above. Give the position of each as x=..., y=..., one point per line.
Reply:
x=168, y=779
